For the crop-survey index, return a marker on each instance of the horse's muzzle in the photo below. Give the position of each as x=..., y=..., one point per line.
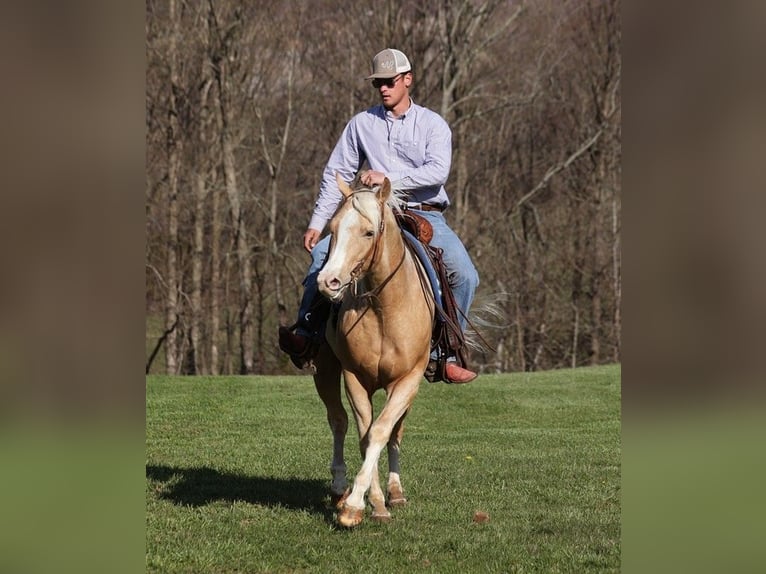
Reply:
x=331, y=287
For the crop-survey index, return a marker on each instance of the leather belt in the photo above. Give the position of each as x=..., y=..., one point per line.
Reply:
x=426, y=207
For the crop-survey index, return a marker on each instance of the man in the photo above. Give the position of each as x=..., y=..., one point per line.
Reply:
x=412, y=147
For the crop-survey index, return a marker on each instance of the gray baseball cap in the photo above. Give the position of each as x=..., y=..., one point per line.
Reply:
x=389, y=63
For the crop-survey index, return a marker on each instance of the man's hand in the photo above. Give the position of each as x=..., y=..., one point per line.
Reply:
x=311, y=238
x=370, y=178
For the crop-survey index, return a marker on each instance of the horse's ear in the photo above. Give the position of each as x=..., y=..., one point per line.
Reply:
x=342, y=185
x=385, y=191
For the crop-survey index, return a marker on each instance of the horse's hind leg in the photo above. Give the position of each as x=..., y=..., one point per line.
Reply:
x=327, y=382
x=395, y=492
x=379, y=511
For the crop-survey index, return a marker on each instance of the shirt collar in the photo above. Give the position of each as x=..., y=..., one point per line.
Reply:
x=388, y=115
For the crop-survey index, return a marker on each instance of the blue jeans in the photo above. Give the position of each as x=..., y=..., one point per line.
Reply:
x=310, y=287
x=461, y=273
x=462, y=276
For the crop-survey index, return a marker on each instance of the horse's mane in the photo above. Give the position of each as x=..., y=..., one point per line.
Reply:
x=364, y=200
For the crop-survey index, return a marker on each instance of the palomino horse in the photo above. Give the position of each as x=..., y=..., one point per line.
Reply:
x=380, y=339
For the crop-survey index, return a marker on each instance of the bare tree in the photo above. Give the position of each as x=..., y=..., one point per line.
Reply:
x=203, y=166
x=226, y=27
x=174, y=145
x=246, y=100
x=274, y=159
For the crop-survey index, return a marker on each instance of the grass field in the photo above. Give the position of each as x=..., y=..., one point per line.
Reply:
x=238, y=470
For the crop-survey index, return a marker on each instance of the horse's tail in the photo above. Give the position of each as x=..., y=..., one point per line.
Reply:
x=488, y=315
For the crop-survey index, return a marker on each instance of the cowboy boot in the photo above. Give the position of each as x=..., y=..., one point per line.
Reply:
x=455, y=374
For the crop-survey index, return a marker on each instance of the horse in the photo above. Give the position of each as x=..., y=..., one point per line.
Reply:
x=378, y=337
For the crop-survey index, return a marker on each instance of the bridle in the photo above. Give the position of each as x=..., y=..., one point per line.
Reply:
x=373, y=252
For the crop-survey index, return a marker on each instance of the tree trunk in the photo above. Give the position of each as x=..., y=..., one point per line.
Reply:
x=202, y=163
x=243, y=264
x=196, y=293
x=238, y=224
x=228, y=353
x=174, y=165
x=275, y=163
x=215, y=282
x=199, y=365
x=460, y=188
x=616, y=281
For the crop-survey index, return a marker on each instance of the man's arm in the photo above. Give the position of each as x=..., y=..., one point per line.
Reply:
x=346, y=159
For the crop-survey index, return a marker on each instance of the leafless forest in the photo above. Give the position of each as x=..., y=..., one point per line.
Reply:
x=245, y=101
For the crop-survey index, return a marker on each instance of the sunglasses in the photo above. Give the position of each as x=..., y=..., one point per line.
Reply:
x=377, y=83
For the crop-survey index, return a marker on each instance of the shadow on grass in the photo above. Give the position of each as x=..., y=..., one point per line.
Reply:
x=202, y=486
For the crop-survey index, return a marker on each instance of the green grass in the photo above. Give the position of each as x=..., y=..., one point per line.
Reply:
x=238, y=471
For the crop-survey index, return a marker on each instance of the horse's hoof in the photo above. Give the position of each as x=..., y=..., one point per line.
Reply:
x=382, y=518
x=350, y=517
x=400, y=501
x=337, y=500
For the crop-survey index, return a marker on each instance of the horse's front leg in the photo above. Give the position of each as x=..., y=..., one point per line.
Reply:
x=397, y=403
x=375, y=495
x=327, y=382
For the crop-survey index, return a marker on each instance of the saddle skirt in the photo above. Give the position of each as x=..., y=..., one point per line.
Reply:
x=419, y=250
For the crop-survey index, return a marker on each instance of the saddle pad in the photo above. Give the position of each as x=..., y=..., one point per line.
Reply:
x=420, y=251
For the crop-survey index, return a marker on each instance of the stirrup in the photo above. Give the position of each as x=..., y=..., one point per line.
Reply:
x=304, y=359
x=434, y=372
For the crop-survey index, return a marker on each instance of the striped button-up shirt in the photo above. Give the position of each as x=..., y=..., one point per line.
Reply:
x=414, y=151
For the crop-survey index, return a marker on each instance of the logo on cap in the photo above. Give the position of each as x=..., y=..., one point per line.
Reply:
x=388, y=63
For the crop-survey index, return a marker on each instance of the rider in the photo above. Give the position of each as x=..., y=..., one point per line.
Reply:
x=412, y=147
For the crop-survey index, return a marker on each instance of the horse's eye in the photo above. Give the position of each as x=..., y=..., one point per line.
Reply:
x=369, y=233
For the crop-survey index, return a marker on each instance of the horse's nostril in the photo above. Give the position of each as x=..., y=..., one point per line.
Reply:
x=333, y=283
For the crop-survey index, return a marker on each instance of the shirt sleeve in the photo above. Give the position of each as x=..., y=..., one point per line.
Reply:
x=346, y=159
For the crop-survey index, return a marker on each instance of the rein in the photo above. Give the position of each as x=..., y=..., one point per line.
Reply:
x=375, y=292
